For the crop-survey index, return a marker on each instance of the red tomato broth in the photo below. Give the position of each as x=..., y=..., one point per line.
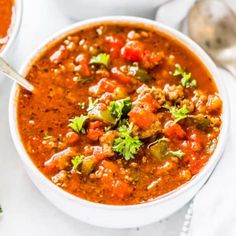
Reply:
x=118, y=181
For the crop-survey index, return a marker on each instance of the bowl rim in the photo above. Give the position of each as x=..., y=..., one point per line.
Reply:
x=200, y=53
x=16, y=23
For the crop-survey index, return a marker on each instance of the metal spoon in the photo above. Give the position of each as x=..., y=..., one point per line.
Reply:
x=12, y=74
x=212, y=24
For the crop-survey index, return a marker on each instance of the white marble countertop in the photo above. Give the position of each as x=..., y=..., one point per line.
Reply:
x=26, y=211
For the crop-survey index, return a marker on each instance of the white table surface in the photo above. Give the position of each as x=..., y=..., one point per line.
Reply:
x=26, y=211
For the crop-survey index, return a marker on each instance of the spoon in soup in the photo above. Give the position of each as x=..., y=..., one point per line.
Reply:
x=8, y=71
x=212, y=24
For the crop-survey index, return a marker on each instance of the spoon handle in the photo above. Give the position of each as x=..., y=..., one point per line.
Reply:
x=12, y=74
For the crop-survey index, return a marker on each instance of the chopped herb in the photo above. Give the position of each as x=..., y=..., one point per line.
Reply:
x=178, y=153
x=82, y=105
x=107, y=128
x=139, y=73
x=179, y=114
x=136, y=72
x=120, y=107
x=186, y=78
x=76, y=161
x=126, y=145
x=1, y=211
x=91, y=104
x=101, y=58
x=84, y=80
x=178, y=70
x=163, y=139
x=77, y=123
x=46, y=136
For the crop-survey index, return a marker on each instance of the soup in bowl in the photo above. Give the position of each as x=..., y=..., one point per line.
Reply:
x=125, y=123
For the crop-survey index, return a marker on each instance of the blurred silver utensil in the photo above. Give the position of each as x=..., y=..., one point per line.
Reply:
x=8, y=71
x=212, y=24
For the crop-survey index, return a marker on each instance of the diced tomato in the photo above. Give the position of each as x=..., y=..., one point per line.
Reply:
x=95, y=130
x=98, y=153
x=121, y=76
x=148, y=98
x=108, y=165
x=96, y=124
x=121, y=189
x=114, y=40
x=110, y=169
x=142, y=115
x=132, y=51
x=172, y=130
x=115, y=43
x=72, y=137
x=83, y=61
x=106, y=85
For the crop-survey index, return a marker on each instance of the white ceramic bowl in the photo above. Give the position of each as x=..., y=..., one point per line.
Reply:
x=16, y=22
x=121, y=216
x=84, y=9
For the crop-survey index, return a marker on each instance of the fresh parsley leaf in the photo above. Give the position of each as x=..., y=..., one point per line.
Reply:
x=178, y=70
x=91, y=104
x=101, y=58
x=107, y=128
x=46, y=136
x=76, y=161
x=126, y=145
x=179, y=114
x=186, y=78
x=84, y=80
x=178, y=153
x=137, y=72
x=193, y=83
x=77, y=123
x=120, y=107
